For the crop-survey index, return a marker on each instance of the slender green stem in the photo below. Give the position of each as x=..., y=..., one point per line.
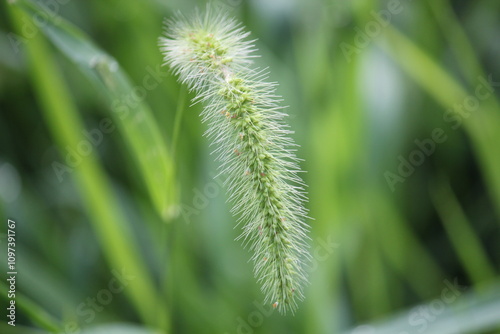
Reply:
x=181, y=106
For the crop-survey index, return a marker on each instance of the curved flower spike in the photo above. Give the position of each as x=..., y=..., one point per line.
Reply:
x=211, y=54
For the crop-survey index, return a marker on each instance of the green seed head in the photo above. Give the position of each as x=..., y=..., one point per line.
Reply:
x=211, y=54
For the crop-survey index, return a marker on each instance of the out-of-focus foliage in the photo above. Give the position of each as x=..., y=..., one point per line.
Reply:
x=121, y=227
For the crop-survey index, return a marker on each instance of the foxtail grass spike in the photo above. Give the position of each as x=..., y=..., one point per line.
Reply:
x=212, y=55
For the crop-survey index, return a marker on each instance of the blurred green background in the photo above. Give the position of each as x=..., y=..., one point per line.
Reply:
x=121, y=227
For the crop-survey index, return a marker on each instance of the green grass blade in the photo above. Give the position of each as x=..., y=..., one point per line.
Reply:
x=34, y=312
x=19, y=329
x=456, y=36
x=134, y=119
x=119, y=329
x=403, y=249
x=463, y=237
x=107, y=220
x=458, y=311
x=483, y=126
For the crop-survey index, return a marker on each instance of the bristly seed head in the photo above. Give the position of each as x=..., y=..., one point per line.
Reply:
x=211, y=54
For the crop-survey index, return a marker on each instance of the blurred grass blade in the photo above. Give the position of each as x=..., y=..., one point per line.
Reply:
x=19, y=329
x=468, y=312
x=34, y=312
x=465, y=240
x=119, y=329
x=454, y=32
x=134, y=119
x=66, y=127
x=483, y=126
x=403, y=249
